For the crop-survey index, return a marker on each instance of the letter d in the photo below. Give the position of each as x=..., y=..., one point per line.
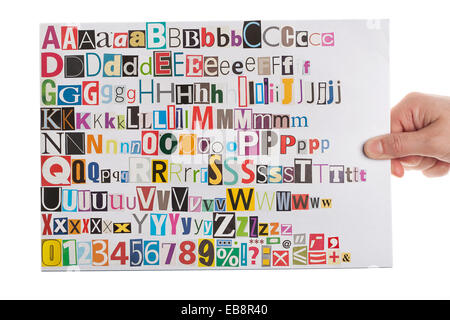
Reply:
x=45, y=64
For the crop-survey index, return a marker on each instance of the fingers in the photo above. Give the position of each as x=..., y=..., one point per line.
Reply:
x=431, y=167
x=416, y=111
x=420, y=136
x=439, y=169
x=402, y=116
x=418, y=162
x=410, y=161
x=396, y=145
x=397, y=168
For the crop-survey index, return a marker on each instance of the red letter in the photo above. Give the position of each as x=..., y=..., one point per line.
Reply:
x=44, y=64
x=290, y=142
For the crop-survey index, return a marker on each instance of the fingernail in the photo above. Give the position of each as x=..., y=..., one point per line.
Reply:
x=374, y=147
x=410, y=161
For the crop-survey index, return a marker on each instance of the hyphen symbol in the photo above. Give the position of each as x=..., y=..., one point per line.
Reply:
x=255, y=251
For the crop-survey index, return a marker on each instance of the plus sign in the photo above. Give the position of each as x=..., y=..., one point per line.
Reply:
x=334, y=256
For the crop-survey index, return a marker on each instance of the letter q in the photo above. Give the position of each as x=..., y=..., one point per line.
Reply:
x=56, y=171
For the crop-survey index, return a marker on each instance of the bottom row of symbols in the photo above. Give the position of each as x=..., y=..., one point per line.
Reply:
x=200, y=253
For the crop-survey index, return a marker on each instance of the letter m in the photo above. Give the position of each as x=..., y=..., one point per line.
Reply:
x=197, y=117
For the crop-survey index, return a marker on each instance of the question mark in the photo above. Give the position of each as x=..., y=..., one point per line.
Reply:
x=255, y=251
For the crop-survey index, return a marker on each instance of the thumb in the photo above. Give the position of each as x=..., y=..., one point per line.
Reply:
x=396, y=145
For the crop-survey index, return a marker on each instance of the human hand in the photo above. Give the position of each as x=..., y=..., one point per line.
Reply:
x=420, y=136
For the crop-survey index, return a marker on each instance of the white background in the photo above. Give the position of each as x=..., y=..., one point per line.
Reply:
x=421, y=220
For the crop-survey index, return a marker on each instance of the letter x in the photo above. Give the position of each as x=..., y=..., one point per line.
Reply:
x=73, y=226
x=47, y=218
x=107, y=226
x=60, y=225
x=122, y=228
x=96, y=225
x=85, y=225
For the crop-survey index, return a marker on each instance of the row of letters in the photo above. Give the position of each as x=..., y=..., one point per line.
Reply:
x=158, y=35
x=287, y=91
x=169, y=118
x=165, y=64
x=153, y=143
x=63, y=171
x=179, y=199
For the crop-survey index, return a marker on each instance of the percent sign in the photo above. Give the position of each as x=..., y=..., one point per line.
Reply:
x=227, y=257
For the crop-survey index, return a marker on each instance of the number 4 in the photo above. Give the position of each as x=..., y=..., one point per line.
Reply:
x=120, y=253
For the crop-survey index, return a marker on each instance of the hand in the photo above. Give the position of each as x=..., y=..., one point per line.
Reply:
x=420, y=136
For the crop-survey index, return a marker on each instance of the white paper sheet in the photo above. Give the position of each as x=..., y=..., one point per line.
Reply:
x=276, y=112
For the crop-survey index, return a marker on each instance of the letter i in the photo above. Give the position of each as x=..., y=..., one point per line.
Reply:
x=242, y=89
x=271, y=93
x=251, y=90
x=266, y=91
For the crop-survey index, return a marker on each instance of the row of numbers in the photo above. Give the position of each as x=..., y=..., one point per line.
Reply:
x=57, y=253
